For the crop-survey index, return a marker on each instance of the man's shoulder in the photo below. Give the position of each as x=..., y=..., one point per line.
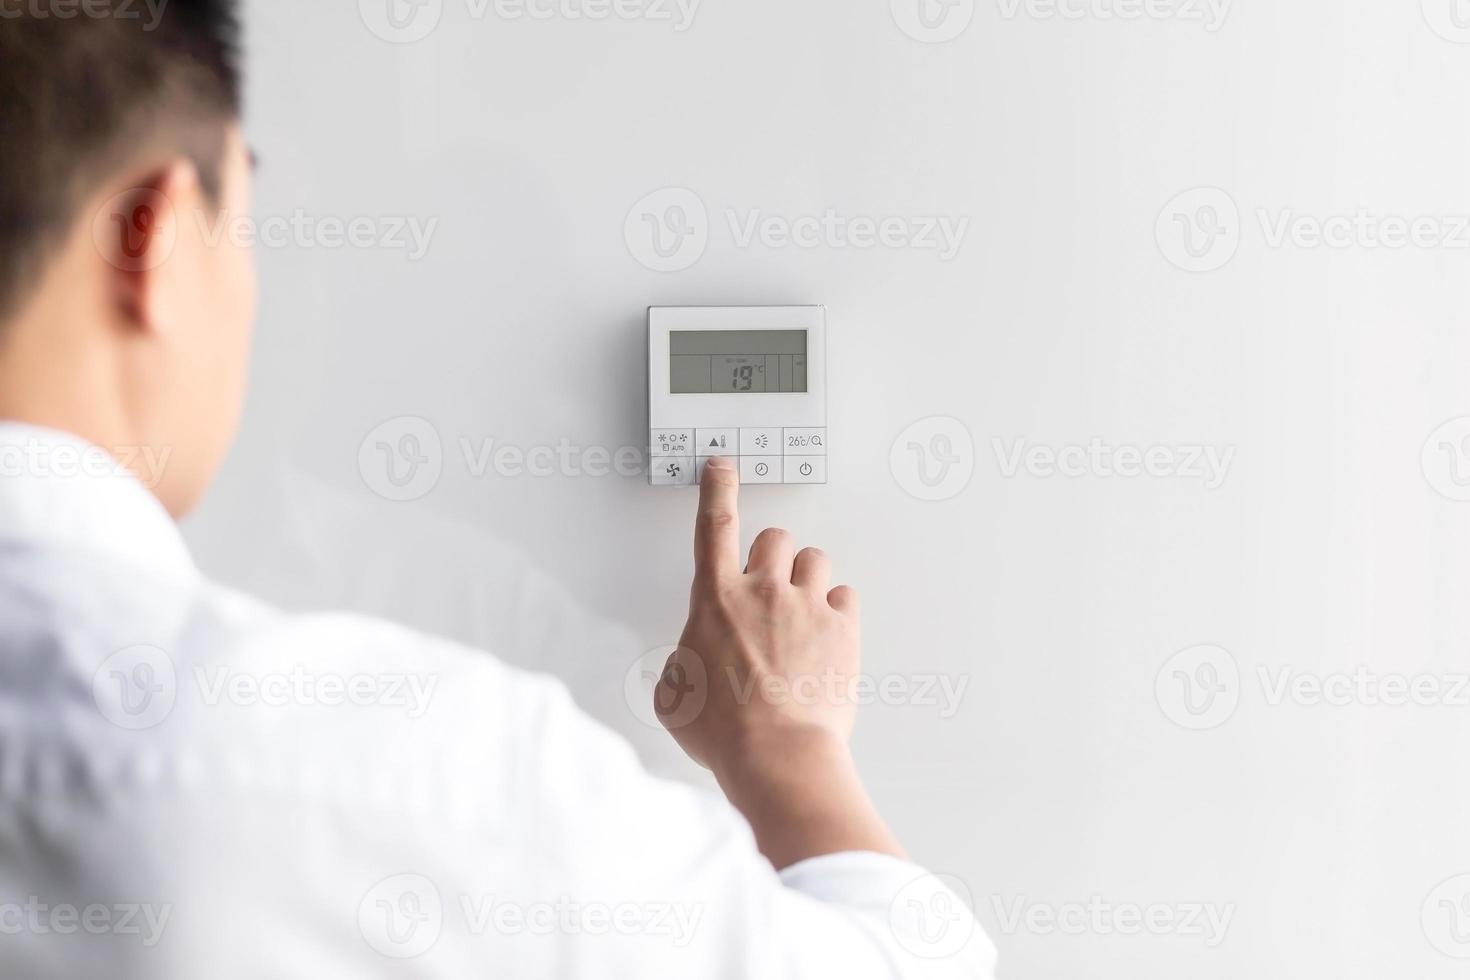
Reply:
x=137, y=683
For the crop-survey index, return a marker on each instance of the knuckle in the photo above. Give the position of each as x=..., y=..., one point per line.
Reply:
x=775, y=535
x=769, y=591
x=717, y=519
x=814, y=554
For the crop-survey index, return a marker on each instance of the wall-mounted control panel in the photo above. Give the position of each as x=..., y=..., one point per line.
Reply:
x=744, y=382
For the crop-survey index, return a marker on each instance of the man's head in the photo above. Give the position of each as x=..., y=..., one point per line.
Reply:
x=125, y=307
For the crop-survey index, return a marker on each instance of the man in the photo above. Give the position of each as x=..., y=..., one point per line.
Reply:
x=159, y=819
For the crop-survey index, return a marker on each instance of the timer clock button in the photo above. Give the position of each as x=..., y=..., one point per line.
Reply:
x=760, y=469
x=805, y=442
x=806, y=469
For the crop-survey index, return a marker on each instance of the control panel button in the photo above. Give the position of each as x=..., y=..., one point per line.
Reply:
x=672, y=471
x=717, y=442
x=671, y=442
x=804, y=442
x=760, y=442
x=760, y=469
x=806, y=469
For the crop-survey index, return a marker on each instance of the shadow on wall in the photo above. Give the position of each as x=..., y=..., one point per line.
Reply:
x=321, y=548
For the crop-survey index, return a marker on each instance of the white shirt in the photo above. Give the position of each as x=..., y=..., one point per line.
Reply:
x=194, y=784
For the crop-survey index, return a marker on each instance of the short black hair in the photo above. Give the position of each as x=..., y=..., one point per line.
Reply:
x=88, y=87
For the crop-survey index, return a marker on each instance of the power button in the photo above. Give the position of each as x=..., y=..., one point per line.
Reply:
x=806, y=469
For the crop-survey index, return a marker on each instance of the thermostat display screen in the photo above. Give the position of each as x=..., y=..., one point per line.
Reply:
x=736, y=361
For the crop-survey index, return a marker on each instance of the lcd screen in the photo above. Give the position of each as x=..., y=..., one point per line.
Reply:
x=736, y=361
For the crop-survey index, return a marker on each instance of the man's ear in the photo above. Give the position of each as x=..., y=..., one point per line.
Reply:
x=137, y=232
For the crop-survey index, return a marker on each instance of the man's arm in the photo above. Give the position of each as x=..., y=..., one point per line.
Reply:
x=762, y=638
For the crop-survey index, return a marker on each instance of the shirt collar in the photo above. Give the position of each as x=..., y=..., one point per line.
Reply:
x=57, y=489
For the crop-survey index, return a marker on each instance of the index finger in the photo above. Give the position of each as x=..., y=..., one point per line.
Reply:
x=717, y=527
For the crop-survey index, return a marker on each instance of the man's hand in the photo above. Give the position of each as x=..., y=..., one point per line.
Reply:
x=777, y=650
x=773, y=654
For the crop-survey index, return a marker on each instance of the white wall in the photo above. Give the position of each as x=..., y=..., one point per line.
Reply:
x=1058, y=600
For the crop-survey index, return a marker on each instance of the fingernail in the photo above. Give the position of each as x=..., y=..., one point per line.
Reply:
x=719, y=463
